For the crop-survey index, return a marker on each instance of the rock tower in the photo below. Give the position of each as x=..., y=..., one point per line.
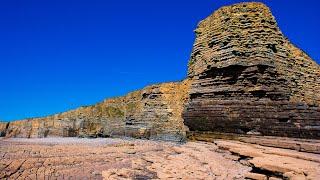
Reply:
x=248, y=78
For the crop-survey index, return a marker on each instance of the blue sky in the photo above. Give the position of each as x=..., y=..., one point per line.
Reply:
x=56, y=55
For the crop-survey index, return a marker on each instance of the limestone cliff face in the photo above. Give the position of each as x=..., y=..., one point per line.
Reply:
x=154, y=112
x=248, y=78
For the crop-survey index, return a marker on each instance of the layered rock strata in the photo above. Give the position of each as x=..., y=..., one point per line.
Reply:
x=154, y=112
x=248, y=78
x=244, y=77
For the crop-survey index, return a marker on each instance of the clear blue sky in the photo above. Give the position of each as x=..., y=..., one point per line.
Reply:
x=56, y=55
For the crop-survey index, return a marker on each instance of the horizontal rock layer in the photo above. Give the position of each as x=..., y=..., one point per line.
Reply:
x=248, y=78
x=154, y=112
x=244, y=77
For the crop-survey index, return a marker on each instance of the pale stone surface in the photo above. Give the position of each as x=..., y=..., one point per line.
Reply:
x=283, y=162
x=76, y=158
x=304, y=145
x=256, y=176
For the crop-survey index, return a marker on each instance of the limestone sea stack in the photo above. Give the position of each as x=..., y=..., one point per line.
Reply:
x=248, y=78
x=244, y=77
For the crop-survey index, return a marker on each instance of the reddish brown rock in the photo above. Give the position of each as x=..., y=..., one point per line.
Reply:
x=247, y=78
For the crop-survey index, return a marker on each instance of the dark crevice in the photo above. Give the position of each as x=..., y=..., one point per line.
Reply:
x=272, y=47
x=224, y=43
x=69, y=132
x=143, y=177
x=244, y=130
x=211, y=44
x=231, y=73
x=284, y=120
x=257, y=170
x=145, y=95
x=129, y=121
x=241, y=157
x=262, y=68
x=150, y=96
x=195, y=95
x=238, y=53
x=271, y=22
x=4, y=132
x=7, y=176
x=259, y=93
x=254, y=80
x=45, y=133
x=267, y=172
x=153, y=96
x=196, y=53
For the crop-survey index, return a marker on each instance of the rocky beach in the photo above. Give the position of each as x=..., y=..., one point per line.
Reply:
x=114, y=158
x=249, y=108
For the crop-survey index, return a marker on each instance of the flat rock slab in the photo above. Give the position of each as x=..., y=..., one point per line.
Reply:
x=274, y=162
x=303, y=145
x=75, y=158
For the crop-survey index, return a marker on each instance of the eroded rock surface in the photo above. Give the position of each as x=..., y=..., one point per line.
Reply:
x=303, y=145
x=249, y=79
x=154, y=112
x=298, y=144
x=106, y=158
x=57, y=158
x=269, y=162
